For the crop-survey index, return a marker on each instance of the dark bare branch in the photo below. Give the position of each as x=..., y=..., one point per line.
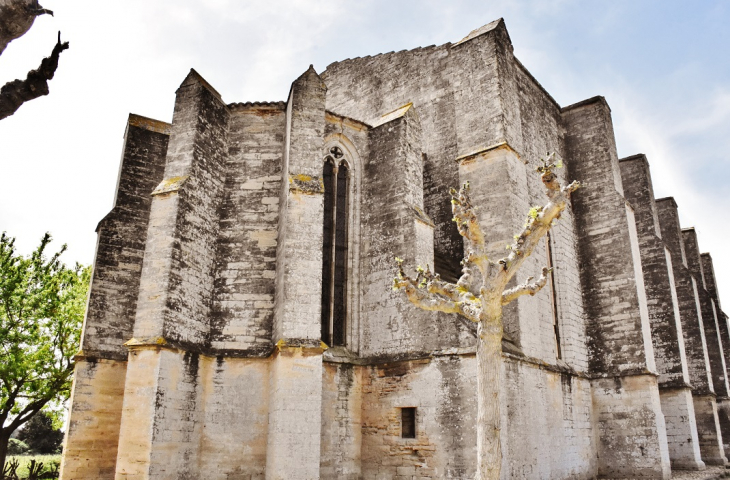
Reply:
x=16, y=18
x=14, y=94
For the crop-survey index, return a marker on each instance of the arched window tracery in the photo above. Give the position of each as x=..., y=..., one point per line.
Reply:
x=336, y=178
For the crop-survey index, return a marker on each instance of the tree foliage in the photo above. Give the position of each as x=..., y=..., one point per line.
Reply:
x=41, y=435
x=42, y=305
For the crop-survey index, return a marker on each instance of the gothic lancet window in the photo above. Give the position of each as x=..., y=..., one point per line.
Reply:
x=334, y=247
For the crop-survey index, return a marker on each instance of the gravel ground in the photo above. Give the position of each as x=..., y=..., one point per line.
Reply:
x=707, y=474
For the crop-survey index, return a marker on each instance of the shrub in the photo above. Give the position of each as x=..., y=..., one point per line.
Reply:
x=17, y=447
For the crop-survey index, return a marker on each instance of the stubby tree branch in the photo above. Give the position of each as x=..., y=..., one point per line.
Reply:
x=16, y=18
x=428, y=292
x=15, y=93
x=527, y=288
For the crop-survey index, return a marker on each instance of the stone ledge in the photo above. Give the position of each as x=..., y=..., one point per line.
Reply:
x=470, y=157
x=170, y=185
x=149, y=124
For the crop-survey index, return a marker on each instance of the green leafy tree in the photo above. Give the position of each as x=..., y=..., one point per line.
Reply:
x=41, y=435
x=42, y=305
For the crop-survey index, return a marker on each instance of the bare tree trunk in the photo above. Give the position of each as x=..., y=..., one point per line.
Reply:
x=489, y=380
x=4, y=440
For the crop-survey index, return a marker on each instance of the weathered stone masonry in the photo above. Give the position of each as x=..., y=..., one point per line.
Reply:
x=202, y=354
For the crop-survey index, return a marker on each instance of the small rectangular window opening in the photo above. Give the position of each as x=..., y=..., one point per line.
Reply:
x=408, y=422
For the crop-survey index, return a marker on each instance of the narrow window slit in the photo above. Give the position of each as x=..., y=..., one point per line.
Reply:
x=408, y=422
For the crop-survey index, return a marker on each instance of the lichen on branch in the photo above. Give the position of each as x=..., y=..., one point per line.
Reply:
x=429, y=292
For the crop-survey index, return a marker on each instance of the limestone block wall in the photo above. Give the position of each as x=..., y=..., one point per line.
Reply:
x=92, y=432
x=395, y=225
x=342, y=407
x=630, y=428
x=715, y=332
x=696, y=347
x=96, y=405
x=469, y=96
x=498, y=185
x=625, y=393
x=235, y=405
x=666, y=328
x=243, y=307
x=682, y=437
x=295, y=414
x=619, y=332
x=723, y=404
x=178, y=272
x=547, y=428
x=299, y=242
x=709, y=318
x=542, y=132
x=162, y=416
x=708, y=271
x=690, y=315
x=708, y=274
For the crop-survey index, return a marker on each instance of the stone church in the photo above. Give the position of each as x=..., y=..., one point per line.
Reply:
x=242, y=322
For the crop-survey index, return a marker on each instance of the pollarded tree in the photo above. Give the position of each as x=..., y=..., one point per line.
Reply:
x=481, y=300
x=42, y=305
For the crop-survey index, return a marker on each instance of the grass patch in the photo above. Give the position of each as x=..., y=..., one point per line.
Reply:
x=24, y=460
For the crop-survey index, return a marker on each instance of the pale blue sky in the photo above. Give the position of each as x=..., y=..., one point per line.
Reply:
x=663, y=66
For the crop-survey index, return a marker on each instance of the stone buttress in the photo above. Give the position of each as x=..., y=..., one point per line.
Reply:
x=296, y=370
x=162, y=413
x=715, y=332
x=693, y=328
x=723, y=403
x=90, y=447
x=666, y=328
x=625, y=390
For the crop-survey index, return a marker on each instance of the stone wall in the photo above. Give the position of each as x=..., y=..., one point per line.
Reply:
x=243, y=306
x=547, y=428
x=92, y=431
x=235, y=418
x=96, y=405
